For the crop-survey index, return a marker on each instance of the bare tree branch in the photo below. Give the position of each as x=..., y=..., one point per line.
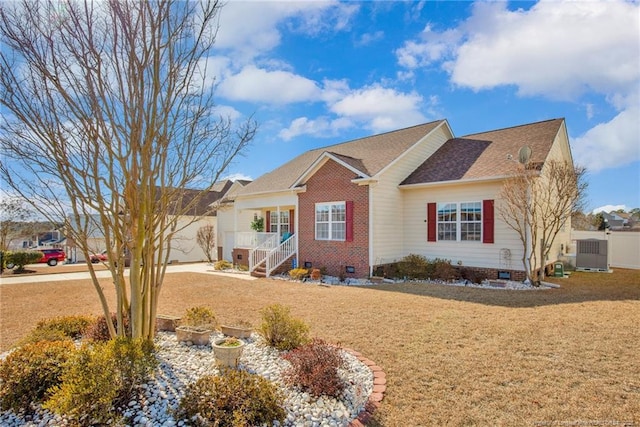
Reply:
x=107, y=118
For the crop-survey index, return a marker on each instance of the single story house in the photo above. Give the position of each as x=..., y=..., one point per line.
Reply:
x=352, y=207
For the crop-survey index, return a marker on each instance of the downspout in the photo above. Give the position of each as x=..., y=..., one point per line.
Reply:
x=371, y=217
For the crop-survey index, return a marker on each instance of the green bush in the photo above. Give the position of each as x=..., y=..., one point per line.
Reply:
x=22, y=258
x=415, y=266
x=281, y=330
x=99, y=331
x=59, y=328
x=235, y=398
x=298, y=273
x=222, y=265
x=100, y=377
x=30, y=371
x=199, y=317
x=418, y=267
x=314, y=368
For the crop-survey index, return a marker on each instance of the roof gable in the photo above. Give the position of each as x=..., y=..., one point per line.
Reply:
x=486, y=155
x=367, y=155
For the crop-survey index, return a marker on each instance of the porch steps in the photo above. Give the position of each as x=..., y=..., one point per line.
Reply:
x=260, y=271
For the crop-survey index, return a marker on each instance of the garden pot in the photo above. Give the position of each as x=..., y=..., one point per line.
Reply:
x=236, y=331
x=167, y=323
x=197, y=336
x=227, y=356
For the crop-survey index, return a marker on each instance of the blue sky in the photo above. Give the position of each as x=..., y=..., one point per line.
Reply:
x=318, y=73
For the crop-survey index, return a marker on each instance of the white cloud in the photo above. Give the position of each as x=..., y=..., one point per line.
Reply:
x=274, y=87
x=236, y=177
x=431, y=47
x=609, y=208
x=369, y=38
x=382, y=108
x=610, y=144
x=251, y=28
x=320, y=127
x=558, y=49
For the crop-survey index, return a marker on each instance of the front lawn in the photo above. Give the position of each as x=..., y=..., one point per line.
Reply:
x=452, y=355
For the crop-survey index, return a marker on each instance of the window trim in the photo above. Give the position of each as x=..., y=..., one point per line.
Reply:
x=330, y=221
x=457, y=223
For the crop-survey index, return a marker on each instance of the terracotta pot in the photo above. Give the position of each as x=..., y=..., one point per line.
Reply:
x=236, y=331
x=198, y=336
x=227, y=356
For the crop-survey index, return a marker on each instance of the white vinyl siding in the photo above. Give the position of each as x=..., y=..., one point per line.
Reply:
x=506, y=251
x=387, y=200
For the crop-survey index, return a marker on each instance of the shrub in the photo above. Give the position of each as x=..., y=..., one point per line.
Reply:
x=100, y=376
x=443, y=270
x=99, y=331
x=314, y=368
x=298, y=273
x=22, y=258
x=415, y=266
x=222, y=265
x=200, y=317
x=58, y=329
x=235, y=398
x=30, y=371
x=473, y=275
x=281, y=330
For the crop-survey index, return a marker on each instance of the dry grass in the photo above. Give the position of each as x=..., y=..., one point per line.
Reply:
x=453, y=356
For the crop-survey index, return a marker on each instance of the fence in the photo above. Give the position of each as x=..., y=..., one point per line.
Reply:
x=623, y=246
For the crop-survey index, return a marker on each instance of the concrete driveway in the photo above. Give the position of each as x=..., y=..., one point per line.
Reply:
x=50, y=274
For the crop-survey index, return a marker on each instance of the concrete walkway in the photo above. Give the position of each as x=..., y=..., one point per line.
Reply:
x=201, y=267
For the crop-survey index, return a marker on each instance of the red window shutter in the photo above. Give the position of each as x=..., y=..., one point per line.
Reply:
x=291, y=222
x=268, y=221
x=349, y=221
x=431, y=222
x=487, y=221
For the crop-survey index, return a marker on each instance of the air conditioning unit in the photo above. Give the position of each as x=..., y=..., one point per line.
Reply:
x=591, y=255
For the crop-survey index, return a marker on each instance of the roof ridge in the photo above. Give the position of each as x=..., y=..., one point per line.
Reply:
x=326, y=147
x=510, y=127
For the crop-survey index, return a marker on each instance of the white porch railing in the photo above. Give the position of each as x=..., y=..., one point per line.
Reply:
x=280, y=254
x=259, y=252
x=253, y=239
x=271, y=253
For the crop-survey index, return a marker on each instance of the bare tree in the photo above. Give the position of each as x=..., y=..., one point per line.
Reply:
x=537, y=203
x=206, y=238
x=108, y=115
x=13, y=220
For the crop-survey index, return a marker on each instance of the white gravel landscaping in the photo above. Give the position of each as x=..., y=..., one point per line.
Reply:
x=181, y=364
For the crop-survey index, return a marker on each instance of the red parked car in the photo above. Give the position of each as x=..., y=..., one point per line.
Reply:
x=52, y=256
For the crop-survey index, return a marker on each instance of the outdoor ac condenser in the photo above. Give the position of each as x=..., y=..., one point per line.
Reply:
x=591, y=255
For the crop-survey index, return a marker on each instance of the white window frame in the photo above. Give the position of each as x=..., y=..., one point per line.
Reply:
x=336, y=229
x=457, y=222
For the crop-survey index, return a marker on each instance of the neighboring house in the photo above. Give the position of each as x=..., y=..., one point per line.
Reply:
x=184, y=246
x=616, y=220
x=353, y=207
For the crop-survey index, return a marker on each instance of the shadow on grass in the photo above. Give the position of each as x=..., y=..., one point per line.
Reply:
x=621, y=285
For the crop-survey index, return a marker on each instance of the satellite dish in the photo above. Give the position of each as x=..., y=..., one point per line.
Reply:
x=524, y=154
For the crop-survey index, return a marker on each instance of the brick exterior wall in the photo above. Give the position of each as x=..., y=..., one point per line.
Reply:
x=240, y=257
x=332, y=183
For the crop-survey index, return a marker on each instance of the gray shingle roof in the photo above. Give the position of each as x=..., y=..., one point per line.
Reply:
x=369, y=155
x=485, y=155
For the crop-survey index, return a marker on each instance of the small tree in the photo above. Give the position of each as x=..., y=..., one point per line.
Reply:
x=537, y=204
x=206, y=238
